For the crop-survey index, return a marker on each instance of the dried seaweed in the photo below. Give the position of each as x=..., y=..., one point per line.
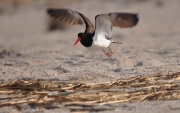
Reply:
x=68, y=94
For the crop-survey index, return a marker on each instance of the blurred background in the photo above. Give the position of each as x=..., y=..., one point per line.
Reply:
x=26, y=20
x=31, y=38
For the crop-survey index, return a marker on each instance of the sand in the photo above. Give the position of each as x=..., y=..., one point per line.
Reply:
x=29, y=51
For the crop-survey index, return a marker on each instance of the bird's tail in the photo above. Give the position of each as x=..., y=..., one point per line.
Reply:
x=116, y=42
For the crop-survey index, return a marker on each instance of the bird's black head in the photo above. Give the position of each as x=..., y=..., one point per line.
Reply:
x=86, y=39
x=80, y=36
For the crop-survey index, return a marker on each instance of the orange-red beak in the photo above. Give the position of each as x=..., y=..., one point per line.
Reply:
x=77, y=41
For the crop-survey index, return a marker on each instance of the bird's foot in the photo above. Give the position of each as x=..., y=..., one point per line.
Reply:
x=112, y=52
x=109, y=55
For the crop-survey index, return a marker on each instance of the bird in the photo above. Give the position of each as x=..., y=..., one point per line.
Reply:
x=100, y=36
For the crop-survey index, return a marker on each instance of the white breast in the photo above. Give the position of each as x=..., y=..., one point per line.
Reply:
x=99, y=42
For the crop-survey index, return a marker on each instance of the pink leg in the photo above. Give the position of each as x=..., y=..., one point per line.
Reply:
x=107, y=54
x=111, y=51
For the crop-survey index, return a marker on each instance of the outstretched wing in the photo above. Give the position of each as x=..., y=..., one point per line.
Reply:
x=71, y=17
x=105, y=22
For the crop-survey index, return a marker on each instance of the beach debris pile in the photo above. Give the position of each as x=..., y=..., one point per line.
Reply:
x=55, y=94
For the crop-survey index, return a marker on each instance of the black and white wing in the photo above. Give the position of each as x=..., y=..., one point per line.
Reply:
x=105, y=22
x=71, y=17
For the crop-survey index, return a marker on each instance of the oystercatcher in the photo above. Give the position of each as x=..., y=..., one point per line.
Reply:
x=101, y=36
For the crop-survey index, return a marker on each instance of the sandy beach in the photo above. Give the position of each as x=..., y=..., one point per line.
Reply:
x=28, y=50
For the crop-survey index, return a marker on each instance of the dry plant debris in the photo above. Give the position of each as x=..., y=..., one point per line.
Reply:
x=67, y=94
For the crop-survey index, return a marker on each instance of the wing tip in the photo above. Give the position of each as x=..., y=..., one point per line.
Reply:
x=52, y=12
x=136, y=21
x=49, y=10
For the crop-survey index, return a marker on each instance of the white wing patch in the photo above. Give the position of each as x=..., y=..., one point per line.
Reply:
x=103, y=25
